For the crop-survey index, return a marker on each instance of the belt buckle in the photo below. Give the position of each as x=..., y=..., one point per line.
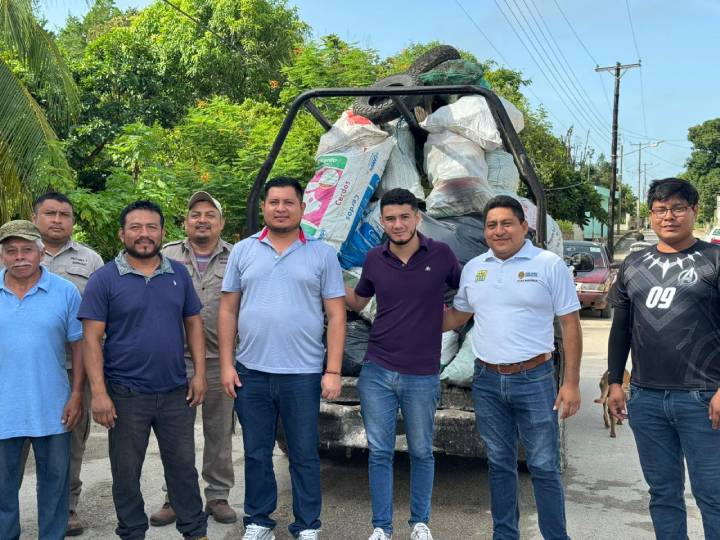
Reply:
x=505, y=369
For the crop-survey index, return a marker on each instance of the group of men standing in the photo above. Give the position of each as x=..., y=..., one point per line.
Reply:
x=166, y=329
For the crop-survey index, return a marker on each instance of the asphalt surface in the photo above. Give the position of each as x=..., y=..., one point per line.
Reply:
x=605, y=493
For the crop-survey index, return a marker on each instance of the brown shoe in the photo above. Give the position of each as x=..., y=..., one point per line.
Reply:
x=221, y=511
x=74, y=525
x=164, y=516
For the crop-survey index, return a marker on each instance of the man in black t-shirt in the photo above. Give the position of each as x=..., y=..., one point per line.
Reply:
x=667, y=309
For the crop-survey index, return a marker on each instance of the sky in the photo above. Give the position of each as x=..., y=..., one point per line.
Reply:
x=557, y=44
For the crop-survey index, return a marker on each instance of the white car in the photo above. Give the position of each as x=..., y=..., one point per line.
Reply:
x=713, y=236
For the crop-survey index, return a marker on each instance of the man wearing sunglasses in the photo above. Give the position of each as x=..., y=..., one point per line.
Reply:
x=667, y=310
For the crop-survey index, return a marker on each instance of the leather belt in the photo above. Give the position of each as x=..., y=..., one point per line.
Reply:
x=512, y=369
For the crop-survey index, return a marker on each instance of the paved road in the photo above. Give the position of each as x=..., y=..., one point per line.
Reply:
x=606, y=496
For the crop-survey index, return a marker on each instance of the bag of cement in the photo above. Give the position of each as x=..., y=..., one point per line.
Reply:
x=470, y=117
x=464, y=234
x=351, y=276
x=554, y=234
x=350, y=130
x=357, y=333
x=459, y=372
x=345, y=178
x=401, y=170
x=458, y=171
x=367, y=235
x=450, y=347
x=503, y=176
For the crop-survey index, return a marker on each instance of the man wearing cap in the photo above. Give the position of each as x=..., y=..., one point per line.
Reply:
x=54, y=217
x=36, y=401
x=205, y=255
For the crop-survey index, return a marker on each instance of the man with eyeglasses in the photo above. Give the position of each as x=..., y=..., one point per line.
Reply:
x=667, y=310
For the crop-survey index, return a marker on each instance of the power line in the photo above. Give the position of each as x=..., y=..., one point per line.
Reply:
x=502, y=57
x=637, y=51
x=532, y=56
x=550, y=66
x=562, y=59
x=653, y=154
x=632, y=28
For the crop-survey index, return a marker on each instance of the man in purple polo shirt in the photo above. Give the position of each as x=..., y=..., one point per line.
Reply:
x=409, y=275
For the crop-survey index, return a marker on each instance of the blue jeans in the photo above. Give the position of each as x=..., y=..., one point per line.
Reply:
x=295, y=399
x=382, y=392
x=52, y=459
x=671, y=427
x=508, y=406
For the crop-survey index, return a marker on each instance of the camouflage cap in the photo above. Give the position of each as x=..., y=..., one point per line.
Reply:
x=19, y=228
x=205, y=196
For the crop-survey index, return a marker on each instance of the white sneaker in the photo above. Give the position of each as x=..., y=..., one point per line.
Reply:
x=420, y=532
x=309, y=534
x=258, y=532
x=379, y=534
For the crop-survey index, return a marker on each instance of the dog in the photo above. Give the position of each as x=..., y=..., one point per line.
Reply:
x=609, y=419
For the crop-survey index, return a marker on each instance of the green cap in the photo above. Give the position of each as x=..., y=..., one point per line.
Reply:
x=19, y=228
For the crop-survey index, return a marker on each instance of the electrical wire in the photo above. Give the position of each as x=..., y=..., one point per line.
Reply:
x=637, y=51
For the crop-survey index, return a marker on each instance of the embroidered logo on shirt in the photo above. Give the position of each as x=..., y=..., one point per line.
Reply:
x=481, y=275
x=687, y=277
x=527, y=276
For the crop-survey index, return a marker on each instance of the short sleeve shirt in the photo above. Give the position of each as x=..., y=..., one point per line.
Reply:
x=280, y=323
x=406, y=335
x=34, y=385
x=514, y=302
x=144, y=318
x=674, y=302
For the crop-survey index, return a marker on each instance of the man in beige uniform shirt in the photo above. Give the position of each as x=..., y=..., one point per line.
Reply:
x=53, y=215
x=205, y=255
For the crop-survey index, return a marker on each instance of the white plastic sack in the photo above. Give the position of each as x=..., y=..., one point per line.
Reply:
x=554, y=234
x=351, y=276
x=401, y=169
x=350, y=130
x=450, y=347
x=345, y=179
x=503, y=176
x=470, y=117
x=458, y=171
x=460, y=371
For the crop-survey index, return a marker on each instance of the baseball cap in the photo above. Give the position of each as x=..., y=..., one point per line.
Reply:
x=19, y=228
x=204, y=196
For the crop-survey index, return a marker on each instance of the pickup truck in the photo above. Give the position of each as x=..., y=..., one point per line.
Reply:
x=341, y=426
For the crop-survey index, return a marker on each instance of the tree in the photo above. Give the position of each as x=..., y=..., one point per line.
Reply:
x=703, y=166
x=30, y=66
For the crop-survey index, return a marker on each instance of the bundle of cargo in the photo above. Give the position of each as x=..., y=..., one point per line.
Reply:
x=370, y=150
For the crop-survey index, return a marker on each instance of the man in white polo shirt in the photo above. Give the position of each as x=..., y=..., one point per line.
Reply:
x=514, y=291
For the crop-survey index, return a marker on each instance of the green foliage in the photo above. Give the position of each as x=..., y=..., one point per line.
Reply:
x=703, y=166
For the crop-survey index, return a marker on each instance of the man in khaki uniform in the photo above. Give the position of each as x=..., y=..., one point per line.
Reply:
x=205, y=255
x=53, y=215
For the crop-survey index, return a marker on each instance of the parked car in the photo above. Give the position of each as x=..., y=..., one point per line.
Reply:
x=713, y=236
x=593, y=286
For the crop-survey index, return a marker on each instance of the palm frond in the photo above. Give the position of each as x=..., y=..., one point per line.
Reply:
x=37, y=51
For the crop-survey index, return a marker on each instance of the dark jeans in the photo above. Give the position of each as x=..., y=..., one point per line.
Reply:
x=296, y=400
x=172, y=420
x=382, y=393
x=671, y=427
x=52, y=459
x=521, y=404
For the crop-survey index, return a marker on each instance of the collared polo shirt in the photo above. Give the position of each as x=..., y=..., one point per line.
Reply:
x=280, y=324
x=514, y=303
x=144, y=318
x=34, y=386
x=406, y=335
x=75, y=262
x=207, y=285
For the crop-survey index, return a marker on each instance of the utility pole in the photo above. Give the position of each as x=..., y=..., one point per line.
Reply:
x=619, y=70
x=640, y=191
x=622, y=176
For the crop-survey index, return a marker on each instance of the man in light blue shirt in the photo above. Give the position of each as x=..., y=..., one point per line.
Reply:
x=276, y=286
x=38, y=316
x=513, y=292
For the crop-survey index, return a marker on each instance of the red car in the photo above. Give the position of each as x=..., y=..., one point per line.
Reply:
x=593, y=286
